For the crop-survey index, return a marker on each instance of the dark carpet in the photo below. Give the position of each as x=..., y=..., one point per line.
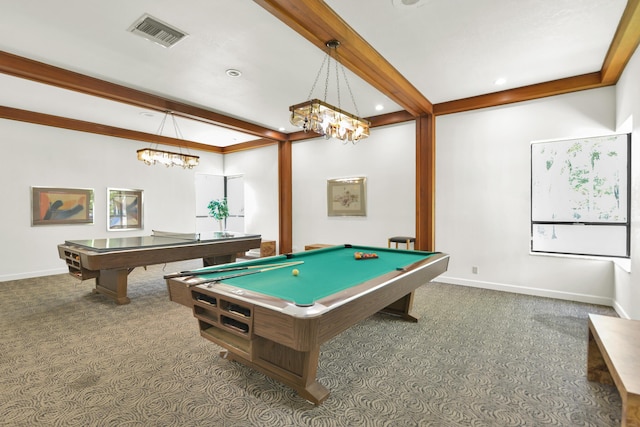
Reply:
x=476, y=358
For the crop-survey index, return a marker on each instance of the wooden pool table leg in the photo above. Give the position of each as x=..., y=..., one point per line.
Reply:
x=218, y=259
x=113, y=283
x=402, y=308
x=296, y=369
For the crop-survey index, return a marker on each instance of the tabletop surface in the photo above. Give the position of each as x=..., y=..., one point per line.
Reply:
x=621, y=338
x=323, y=272
x=157, y=239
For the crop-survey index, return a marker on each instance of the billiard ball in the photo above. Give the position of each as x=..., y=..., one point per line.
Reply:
x=295, y=272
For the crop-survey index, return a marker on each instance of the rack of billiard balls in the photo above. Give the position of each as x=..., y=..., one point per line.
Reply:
x=365, y=255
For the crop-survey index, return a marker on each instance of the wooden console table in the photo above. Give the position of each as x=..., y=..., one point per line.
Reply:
x=613, y=357
x=316, y=246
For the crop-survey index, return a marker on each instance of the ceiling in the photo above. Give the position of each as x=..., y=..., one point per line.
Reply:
x=437, y=50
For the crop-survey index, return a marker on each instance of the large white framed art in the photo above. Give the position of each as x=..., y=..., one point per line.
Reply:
x=580, y=196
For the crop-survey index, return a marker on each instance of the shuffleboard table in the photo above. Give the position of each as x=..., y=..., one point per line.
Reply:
x=110, y=260
x=273, y=314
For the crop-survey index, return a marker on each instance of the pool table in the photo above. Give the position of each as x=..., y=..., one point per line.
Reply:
x=274, y=320
x=110, y=260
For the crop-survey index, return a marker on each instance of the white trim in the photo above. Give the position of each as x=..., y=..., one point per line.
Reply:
x=548, y=293
x=32, y=274
x=618, y=308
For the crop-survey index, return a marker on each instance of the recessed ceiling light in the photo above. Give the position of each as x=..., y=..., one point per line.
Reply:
x=281, y=129
x=379, y=107
x=233, y=73
x=402, y=4
x=147, y=114
x=500, y=81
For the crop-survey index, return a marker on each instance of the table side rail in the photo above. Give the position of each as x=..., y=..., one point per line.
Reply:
x=436, y=265
x=132, y=258
x=304, y=332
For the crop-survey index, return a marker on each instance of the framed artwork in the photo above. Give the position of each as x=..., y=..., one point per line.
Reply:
x=60, y=206
x=346, y=197
x=124, y=209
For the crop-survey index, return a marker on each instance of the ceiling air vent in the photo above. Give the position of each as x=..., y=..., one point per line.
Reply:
x=157, y=31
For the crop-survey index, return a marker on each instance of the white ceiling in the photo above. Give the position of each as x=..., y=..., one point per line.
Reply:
x=448, y=49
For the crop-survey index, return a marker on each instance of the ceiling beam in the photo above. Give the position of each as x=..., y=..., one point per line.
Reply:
x=301, y=15
x=43, y=73
x=624, y=44
x=318, y=23
x=525, y=93
x=249, y=145
x=622, y=47
x=96, y=128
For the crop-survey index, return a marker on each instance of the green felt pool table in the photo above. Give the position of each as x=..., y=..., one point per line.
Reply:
x=273, y=320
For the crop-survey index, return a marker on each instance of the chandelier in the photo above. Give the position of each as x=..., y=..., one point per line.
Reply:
x=325, y=119
x=153, y=156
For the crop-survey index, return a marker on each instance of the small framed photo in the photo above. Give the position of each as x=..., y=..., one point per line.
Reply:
x=124, y=209
x=61, y=206
x=346, y=197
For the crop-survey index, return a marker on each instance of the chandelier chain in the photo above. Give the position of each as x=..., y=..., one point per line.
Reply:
x=325, y=119
x=326, y=79
x=337, y=82
x=152, y=156
x=344, y=74
x=175, y=127
x=315, y=82
x=178, y=132
x=161, y=127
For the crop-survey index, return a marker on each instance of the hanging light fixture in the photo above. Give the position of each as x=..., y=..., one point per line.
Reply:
x=153, y=156
x=323, y=118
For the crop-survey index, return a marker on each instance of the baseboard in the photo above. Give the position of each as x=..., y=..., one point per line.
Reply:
x=31, y=274
x=623, y=314
x=548, y=293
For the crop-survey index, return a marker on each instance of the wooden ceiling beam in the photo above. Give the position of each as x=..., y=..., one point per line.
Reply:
x=96, y=128
x=249, y=145
x=318, y=23
x=624, y=44
x=525, y=93
x=43, y=73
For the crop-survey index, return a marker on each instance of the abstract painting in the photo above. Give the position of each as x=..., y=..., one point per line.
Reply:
x=55, y=206
x=124, y=209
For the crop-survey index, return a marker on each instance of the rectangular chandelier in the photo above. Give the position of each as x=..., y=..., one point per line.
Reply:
x=151, y=156
x=332, y=122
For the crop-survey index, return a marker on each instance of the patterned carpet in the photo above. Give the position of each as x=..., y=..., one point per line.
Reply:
x=476, y=358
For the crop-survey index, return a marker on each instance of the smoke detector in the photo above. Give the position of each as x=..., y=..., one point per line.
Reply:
x=157, y=31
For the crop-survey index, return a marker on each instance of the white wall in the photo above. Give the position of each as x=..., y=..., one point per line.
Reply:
x=483, y=195
x=627, y=291
x=259, y=168
x=62, y=158
x=482, y=192
x=386, y=159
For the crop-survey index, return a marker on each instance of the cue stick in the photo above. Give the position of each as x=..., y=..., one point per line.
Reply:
x=247, y=273
x=224, y=270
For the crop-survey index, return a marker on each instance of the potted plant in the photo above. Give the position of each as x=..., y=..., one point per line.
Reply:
x=219, y=210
